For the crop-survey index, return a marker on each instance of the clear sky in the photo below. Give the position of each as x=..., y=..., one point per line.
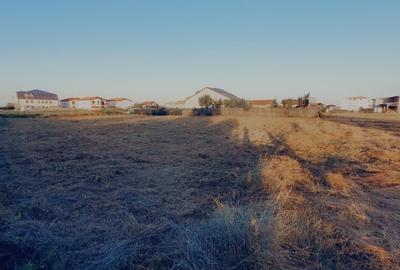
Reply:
x=164, y=50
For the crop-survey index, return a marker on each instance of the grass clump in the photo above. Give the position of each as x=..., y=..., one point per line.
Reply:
x=282, y=174
x=232, y=239
x=30, y=245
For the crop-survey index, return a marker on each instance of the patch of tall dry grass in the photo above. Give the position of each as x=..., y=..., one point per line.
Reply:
x=304, y=238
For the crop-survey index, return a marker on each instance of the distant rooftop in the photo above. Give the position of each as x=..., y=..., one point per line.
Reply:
x=36, y=94
x=119, y=99
x=217, y=90
x=82, y=98
x=355, y=98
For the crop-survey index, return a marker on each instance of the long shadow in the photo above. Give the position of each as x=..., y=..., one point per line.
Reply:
x=108, y=193
x=90, y=194
x=319, y=170
x=391, y=126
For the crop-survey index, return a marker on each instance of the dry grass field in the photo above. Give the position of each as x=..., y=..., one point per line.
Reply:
x=129, y=192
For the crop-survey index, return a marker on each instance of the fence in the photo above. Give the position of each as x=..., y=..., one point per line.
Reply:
x=272, y=112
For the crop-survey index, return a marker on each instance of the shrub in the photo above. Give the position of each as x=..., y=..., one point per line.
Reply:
x=155, y=111
x=113, y=111
x=9, y=106
x=206, y=101
x=174, y=111
x=159, y=111
x=203, y=112
x=237, y=103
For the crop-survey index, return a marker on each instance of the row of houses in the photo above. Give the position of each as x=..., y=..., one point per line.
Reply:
x=95, y=103
x=385, y=104
x=42, y=100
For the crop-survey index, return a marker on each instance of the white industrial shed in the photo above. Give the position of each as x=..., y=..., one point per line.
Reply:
x=214, y=93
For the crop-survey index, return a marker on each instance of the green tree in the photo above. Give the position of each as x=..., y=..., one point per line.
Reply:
x=237, y=103
x=206, y=101
x=230, y=103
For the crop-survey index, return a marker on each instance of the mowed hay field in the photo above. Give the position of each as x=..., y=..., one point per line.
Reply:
x=199, y=193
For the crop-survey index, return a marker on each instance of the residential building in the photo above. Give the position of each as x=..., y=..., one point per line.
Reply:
x=36, y=100
x=356, y=103
x=84, y=103
x=387, y=104
x=121, y=103
x=214, y=93
x=150, y=104
x=180, y=104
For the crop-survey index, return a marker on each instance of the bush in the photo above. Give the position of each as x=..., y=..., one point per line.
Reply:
x=159, y=111
x=113, y=111
x=155, y=111
x=206, y=101
x=237, y=103
x=9, y=106
x=205, y=112
x=174, y=111
x=231, y=239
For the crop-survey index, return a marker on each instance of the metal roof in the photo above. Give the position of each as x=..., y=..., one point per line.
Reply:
x=36, y=94
x=217, y=90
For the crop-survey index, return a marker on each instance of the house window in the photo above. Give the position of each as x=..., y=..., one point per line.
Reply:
x=93, y=102
x=31, y=101
x=26, y=101
x=73, y=102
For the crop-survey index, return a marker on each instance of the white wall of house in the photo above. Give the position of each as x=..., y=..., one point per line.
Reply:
x=354, y=104
x=193, y=101
x=82, y=104
x=36, y=104
x=122, y=104
x=88, y=104
x=69, y=104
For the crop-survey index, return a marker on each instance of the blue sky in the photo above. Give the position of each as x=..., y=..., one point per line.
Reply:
x=165, y=50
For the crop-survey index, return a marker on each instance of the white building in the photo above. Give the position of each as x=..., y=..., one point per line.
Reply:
x=391, y=104
x=180, y=104
x=356, y=103
x=122, y=103
x=214, y=93
x=85, y=103
x=36, y=100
